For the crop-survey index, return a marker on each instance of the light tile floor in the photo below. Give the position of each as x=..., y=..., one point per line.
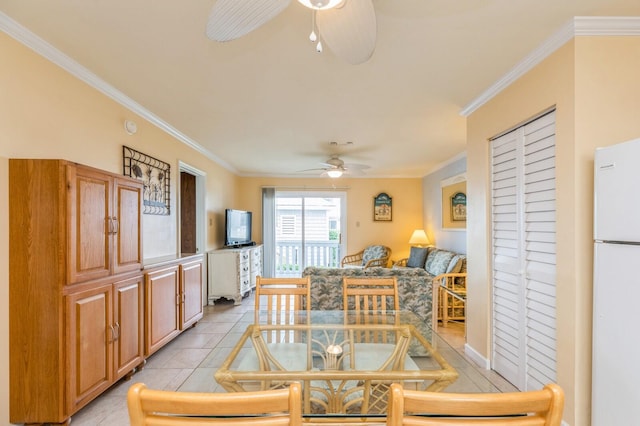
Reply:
x=189, y=362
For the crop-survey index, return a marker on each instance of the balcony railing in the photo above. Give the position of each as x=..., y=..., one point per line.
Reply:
x=290, y=260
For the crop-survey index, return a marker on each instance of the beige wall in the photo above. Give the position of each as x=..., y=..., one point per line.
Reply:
x=361, y=229
x=47, y=113
x=449, y=239
x=591, y=83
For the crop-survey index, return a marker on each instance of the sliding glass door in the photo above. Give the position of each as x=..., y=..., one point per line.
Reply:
x=309, y=230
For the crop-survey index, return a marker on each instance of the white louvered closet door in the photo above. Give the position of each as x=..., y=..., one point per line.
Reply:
x=524, y=254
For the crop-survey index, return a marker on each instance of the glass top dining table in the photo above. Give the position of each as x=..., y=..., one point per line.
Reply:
x=346, y=361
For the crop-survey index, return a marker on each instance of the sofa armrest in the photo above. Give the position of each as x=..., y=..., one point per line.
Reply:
x=401, y=262
x=453, y=281
x=449, y=280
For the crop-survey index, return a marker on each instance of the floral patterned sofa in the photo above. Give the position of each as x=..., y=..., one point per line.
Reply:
x=415, y=283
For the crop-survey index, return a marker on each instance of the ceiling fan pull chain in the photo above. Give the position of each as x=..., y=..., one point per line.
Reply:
x=313, y=36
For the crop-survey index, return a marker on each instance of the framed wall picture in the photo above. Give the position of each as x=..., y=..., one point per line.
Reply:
x=458, y=204
x=454, y=202
x=154, y=174
x=382, y=207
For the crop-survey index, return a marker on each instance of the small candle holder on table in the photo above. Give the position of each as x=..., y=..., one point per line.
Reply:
x=333, y=357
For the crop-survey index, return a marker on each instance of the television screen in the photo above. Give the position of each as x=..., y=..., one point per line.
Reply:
x=237, y=228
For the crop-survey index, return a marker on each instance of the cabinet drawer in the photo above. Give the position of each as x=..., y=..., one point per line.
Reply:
x=245, y=284
x=244, y=269
x=256, y=253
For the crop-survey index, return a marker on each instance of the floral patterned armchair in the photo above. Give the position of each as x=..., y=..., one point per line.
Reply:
x=376, y=255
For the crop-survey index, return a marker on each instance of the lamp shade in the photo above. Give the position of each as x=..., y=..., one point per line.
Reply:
x=419, y=238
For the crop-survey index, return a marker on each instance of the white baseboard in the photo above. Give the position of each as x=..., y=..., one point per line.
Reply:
x=476, y=357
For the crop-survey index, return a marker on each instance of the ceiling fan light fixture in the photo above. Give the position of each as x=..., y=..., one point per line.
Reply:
x=335, y=173
x=320, y=4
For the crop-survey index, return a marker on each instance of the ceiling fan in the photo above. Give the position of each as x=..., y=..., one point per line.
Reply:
x=335, y=167
x=347, y=26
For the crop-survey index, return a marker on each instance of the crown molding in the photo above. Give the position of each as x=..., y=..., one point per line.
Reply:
x=49, y=52
x=606, y=26
x=577, y=26
x=445, y=163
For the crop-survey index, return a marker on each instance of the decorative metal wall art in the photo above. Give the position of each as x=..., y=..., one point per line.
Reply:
x=154, y=174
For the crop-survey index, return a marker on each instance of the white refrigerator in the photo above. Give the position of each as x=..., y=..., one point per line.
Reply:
x=615, y=398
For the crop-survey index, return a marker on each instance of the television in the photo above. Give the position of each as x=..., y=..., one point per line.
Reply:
x=237, y=225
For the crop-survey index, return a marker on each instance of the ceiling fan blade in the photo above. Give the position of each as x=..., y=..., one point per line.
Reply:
x=350, y=31
x=353, y=172
x=313, y=170
x=231, y=19
x=357, y=166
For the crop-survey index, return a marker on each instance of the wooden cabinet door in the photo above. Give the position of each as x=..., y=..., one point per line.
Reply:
x=191, y=293
x=88, y=202
x=162, y=301
x=127, y=229
x=90, y=344
x=128, y=322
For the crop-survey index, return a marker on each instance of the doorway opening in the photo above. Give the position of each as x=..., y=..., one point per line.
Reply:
x=191, y=232
x=309, y=230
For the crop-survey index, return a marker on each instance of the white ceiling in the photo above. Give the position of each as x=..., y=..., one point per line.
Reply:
x=268, y=104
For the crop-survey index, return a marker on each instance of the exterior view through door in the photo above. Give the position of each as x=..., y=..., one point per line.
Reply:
x=308, y=231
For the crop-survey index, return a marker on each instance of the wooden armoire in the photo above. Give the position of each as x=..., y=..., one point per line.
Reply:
x=76, y=316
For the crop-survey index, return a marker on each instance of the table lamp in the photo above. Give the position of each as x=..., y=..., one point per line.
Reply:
x=419, y=238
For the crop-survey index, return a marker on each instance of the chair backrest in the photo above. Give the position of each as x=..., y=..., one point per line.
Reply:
x=375, y=253
x=148, y=407
x=282, y=301
x=370, y=294
x=542, y=408
x=370, y=301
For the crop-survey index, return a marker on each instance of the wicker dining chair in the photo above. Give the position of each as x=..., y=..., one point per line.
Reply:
x=422, y=408
x=148, y=407
x=374, y=295
x=371, y=301
x=282, y=301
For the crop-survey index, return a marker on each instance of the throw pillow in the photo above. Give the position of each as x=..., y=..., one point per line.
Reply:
x=438, y=261
x=455, y=265
x=417, y=257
